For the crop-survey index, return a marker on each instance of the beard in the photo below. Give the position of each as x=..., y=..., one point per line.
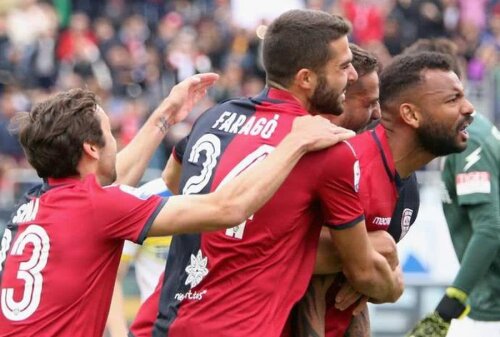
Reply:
x=440, y=140
x=325, y=100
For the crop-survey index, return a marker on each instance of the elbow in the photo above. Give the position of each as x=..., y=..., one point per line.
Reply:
x=382, y=287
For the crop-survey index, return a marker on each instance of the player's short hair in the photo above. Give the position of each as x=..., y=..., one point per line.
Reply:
x=363, y=61
x=439, y=45
x=53, y=133
x=405, y=73
x=300, y=39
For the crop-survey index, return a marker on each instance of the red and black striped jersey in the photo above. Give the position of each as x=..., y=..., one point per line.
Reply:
x=243, y=281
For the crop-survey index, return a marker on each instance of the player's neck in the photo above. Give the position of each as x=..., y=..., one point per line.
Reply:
x=407, y=154
x=296, y=93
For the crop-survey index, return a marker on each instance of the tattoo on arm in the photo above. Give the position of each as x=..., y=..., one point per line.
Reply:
x=308, y=315
x=360, y=325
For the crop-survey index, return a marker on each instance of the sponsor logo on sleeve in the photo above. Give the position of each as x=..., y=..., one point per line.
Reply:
x=473, y=182
x=472, y=158
x=357, y=175
x=405, y=221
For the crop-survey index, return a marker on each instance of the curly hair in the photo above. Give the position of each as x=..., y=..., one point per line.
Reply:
x=405, y=72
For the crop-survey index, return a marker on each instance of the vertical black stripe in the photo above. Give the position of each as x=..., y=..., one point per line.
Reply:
x=184, y=246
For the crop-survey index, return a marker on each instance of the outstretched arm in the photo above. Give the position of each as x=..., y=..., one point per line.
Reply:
x=131, y=162
x=234, y=202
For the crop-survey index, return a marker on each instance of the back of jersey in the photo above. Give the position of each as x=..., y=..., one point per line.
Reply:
x=241, y=281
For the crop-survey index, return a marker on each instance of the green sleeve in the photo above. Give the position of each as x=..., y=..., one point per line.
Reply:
x=475, y=173
x=482, y=208
x=483, y=246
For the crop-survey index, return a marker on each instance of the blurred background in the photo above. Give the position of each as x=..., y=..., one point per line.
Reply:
x=131, y=52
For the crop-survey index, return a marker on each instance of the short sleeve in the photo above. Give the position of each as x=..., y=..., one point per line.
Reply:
x=476, y=175
x=338, y=187
x=123, y=212
x=180, y=148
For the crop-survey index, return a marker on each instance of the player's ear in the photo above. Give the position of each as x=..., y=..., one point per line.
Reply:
x=410, y=114
x=91, y=150
x=306, y=79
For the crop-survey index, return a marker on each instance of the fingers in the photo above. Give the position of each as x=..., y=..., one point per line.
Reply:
x=340, y=130
x=343, y=134
x=346, y=297
x=203, y=81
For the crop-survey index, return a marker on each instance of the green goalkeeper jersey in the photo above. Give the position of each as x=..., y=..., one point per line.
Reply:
x=472, y=210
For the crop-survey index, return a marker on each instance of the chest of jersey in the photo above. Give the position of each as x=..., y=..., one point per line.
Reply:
x=378, y=194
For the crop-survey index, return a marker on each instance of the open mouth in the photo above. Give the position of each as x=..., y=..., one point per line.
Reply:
x=464, y=126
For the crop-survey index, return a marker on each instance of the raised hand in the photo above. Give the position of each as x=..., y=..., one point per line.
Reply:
x=184, y=96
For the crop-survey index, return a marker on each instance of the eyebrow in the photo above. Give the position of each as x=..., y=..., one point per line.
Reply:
x=346, y=62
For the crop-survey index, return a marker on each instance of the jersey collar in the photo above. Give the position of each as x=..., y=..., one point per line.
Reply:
x=53, y=182
x=277, y=96
x=380, y=138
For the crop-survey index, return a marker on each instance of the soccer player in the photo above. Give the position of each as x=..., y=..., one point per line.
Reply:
x=424, y=115
x=362, y=107
x=361, y=104
x=361, y=110
x=471, y=207
x=243, y=281
x=61, y=249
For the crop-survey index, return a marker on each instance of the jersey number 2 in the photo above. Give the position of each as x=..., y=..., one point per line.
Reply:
x=211, y=145
x=29, y=271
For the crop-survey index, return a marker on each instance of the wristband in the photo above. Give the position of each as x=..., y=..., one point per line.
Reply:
x=453, y=304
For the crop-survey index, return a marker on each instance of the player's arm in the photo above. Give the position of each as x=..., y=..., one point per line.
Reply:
x=327, y=257
x=481, y=250
x=234, y=202
x=483, y=210
x=171, y=175
x=367, y=271
x=360, y=325
x=132, y=161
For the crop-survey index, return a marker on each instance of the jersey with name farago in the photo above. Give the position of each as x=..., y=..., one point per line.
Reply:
x=243, y=281
x=389, y=203
x=471, y=204
x=60, y=253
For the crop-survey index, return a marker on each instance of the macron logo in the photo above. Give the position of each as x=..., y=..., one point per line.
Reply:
x=472, y=158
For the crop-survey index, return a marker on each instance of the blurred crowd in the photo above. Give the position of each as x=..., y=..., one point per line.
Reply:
x=131, y=52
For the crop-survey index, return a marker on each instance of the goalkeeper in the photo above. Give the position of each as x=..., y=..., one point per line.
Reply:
x=471, y=206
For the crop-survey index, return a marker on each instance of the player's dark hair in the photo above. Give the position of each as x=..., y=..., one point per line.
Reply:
x=363, y=61
x=439, y=45
x=405, y=73
x=53, y=133
x=300, y=39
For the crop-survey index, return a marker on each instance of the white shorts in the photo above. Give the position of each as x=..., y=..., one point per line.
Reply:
x=468, y=327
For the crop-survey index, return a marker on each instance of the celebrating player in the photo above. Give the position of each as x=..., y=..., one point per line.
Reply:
x=252, y=274
x=61, y=249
